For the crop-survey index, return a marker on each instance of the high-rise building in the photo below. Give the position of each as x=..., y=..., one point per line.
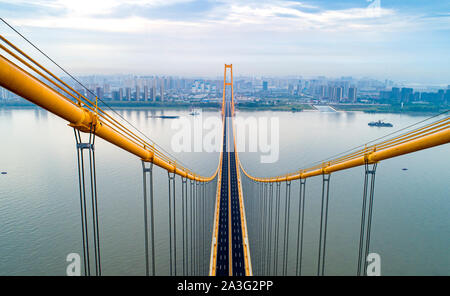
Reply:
x=145, y=92
x=128, y=93
x=352, y=94
x=138, y=93
x=154, y=90
x=161, y=98
x=339, y=93
x=395, y=94
x=120, y=94
x=321, y=91
x=265, y=86
x=291, y=89
x=106, y=89
x=99, y=92
x=406, y=94
x=116, y=95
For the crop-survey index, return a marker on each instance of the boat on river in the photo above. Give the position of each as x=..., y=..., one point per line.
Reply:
x=380, y=123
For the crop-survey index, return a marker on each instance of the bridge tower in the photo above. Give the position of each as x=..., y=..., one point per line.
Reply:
x=225, y=84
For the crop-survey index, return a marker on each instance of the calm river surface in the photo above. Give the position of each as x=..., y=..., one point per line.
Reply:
x=39, y=201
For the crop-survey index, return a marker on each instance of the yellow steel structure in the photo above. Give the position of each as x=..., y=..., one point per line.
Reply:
x=431, y=135
x=214, y=245
x=82, y=115
x=54, y=95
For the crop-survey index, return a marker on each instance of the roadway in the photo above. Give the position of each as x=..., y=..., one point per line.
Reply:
x=230, y=251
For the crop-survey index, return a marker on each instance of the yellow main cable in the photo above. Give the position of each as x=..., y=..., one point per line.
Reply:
x=92, y=107
x=19, y=81
x=431, y=135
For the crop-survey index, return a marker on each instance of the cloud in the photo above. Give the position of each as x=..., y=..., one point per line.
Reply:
x=140, y=15
x=164, y=36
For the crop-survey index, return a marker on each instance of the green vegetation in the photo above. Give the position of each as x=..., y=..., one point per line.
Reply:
x=407, y=108
x=132, y=104
x=258, y=106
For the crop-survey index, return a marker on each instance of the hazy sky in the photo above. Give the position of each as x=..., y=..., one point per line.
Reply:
x=406, y=40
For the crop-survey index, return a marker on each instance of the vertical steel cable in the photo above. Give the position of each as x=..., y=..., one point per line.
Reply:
x=323, y=224
x=197, y=222
x=263, y=222
x=183, y=225
x=144, y=183
x=277, y=227
x=369, y=218
x=198, y=227
x=152, y=220
x=269, y=254
x=266, y=221
x=94, y=202
x=170, y=225
x=84, y=224
x=174, y=226
x=203, y=205
x=147, y=194
x=192, y=227
x=363, y=219
x=286, y=226
x=260, y=228
x=301, y=218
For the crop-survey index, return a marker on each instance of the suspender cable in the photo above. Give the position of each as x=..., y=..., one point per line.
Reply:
x=277, y=227
x=80, y=146
x=267, y=224
x=363, y=220
x=197, y=235
x=183, y=224
x=323, y=224
x=199, y=217
x=148, y=171
x=172, y=225
x=368, y=171
x=81, y=182
x=369, y=218
x=191, y=205
x=261, y=229
x=203, y=205
x=286, y=226
x=301, y=219
x=264, y=220
x=193, y=236
x=94, y=202
x=269, y=254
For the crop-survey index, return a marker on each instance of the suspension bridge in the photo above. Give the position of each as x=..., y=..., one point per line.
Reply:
x=227, y=229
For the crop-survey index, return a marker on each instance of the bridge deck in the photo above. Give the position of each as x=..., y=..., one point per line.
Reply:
x=230, y=251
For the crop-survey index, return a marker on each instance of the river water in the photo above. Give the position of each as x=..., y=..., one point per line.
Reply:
x=39, y=201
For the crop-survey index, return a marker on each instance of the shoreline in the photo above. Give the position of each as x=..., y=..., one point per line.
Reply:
x=294, y=108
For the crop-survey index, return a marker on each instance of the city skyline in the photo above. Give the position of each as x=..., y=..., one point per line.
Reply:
x=395, y=40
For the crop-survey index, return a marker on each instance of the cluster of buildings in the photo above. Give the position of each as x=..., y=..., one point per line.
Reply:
x=319, y=89
x=408, y=95
x=146, y=88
